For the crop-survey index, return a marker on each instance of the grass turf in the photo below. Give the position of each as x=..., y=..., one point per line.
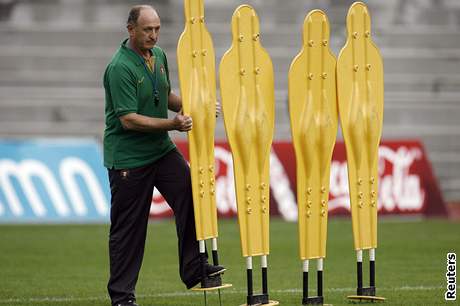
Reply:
x=68, y=264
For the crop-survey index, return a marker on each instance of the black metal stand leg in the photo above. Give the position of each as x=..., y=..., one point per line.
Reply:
x=249, y=277
x=202, y=260
x=360, y=277
x=372, y=267
x=264, y=281
x=263, y=298
x=371, y=290
x=250, y=289
x=305, y=286
x=305, y=267
x=215, y=256
x=372, y=273
x=320, y=283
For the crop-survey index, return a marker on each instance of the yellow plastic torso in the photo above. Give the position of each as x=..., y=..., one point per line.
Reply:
x=247, y=89
x=196, y=64
x=314, y=120
x=360, y=95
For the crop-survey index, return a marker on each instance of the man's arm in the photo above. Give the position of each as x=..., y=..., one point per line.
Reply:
x=141, y=123
x=174, y=102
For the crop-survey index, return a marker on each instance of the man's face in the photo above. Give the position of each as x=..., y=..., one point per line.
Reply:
x=144, y=34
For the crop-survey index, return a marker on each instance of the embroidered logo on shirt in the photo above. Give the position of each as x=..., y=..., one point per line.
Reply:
x=162, y=69
x=140, y=81
x=124, y=174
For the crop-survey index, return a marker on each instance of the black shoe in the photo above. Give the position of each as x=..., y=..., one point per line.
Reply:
x=193, y=283
x=127, y=303
x=212, y=270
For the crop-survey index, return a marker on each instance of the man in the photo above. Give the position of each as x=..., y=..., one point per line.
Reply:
x=140, y=155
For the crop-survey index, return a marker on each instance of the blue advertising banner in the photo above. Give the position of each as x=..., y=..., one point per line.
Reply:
x=53, y=181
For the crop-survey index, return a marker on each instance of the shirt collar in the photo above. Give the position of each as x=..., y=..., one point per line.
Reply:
x=131, y=53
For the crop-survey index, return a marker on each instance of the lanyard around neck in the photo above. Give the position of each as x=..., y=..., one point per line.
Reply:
x=152, y=76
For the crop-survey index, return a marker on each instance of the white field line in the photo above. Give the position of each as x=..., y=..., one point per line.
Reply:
x=189, y=293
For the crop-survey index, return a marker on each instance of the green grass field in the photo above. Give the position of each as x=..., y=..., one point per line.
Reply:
x=68, y=264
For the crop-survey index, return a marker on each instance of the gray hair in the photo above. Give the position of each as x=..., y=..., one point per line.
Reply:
x=135, y=12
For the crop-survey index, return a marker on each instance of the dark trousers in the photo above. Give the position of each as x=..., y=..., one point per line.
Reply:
x=132, y=191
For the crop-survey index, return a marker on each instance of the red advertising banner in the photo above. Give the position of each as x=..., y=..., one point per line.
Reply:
x=407, y=185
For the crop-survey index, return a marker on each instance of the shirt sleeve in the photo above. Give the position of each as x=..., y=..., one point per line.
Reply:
x=122, y=85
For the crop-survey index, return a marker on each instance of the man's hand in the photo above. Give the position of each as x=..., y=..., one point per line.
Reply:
x=182, y=123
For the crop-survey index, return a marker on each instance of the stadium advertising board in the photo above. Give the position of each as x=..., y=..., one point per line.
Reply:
x=64, y=181
x=406, y=182
x=52, y=181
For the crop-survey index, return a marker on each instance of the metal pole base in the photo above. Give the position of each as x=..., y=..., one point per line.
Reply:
x=257, y=299
x=270, y=303
x=366, y=291
x=365, y=298
x=314, y=300
x=211, y=281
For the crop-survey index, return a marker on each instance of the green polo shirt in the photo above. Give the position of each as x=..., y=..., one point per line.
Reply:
x=130, y=87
